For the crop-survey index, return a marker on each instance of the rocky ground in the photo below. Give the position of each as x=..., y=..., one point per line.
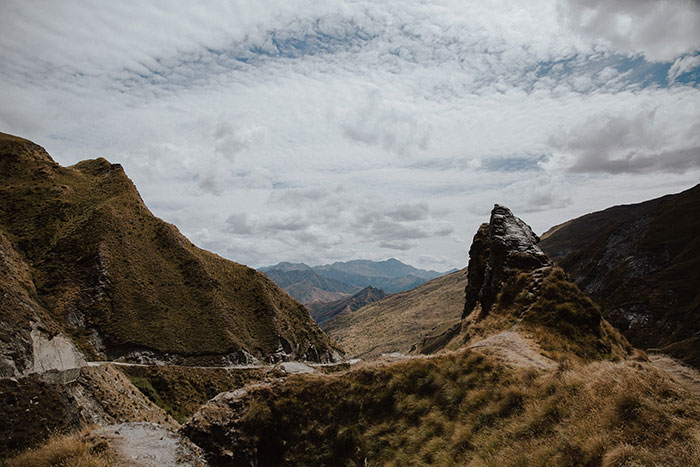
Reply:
x=149, y=445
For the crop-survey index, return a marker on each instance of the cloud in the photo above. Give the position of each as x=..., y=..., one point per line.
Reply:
x=240, y=224
x=662, y=30
x=323, y=131
x=681, y=66
x=401, y=246
x=379, y=123
x=540, y=193
x=229, y=139
x=645, y=142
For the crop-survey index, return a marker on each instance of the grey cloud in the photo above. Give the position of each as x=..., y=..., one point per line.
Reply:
x=409, y=212
x=402, y=246
x=398, y=226
x=230, y=139
x=641, y=143
x=660, y=29
x=679, y=161
x=291, y=223
x=239, y=224
x=536, y=194
x=209, y=184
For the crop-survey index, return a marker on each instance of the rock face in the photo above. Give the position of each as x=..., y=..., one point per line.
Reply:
x=501, y=249
x=218, y=428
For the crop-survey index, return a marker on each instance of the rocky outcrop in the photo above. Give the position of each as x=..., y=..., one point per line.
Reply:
x=218, y=428
x=501, y=249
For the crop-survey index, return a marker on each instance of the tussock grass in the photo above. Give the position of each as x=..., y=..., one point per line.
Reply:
x=71, y=450
x=552, y=310
x=464, y=408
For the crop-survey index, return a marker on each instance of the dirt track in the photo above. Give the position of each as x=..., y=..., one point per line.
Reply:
x=515, y=350
x=683, y=374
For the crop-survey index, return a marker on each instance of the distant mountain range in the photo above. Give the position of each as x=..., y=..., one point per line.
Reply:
x=332, y=282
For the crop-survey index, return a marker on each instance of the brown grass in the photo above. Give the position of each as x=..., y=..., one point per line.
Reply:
x=553, y=311
x=96, y=251
x=397, y=322
x=72, y=450
x=464, y=408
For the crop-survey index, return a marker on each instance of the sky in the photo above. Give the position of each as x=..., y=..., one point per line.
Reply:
x=323, y=131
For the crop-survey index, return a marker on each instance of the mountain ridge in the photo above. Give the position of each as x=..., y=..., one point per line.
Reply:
x=310, y=283
x=122, y=282
x=322, y=312
x=397, y=322
x=641, y=262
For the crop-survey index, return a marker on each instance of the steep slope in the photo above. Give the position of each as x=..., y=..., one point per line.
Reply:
x=39, y=405
x=322, y=312
x=306, y=286
x=397, y=322
x=641, y=262
x=122, y=282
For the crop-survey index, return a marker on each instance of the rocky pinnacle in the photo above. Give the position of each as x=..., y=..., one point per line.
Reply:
x=501, y=249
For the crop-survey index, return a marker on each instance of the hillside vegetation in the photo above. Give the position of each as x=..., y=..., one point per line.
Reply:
x=322, y=312
x=396, y=323
x=462, y=408
x=120, y=281
x=581, y=399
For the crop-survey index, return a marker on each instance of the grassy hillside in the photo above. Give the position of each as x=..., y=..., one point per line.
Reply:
x=546, y=306
x=399, y=321
x=462, y=408
x=118, y=279
x=322, y=312
x=641, y=262
x=181, y=391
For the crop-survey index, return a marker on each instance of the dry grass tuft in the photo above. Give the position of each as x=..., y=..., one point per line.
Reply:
x=73, y=450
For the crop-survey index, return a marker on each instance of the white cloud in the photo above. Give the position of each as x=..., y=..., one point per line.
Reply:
x=322, y=131
x=662, y=30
